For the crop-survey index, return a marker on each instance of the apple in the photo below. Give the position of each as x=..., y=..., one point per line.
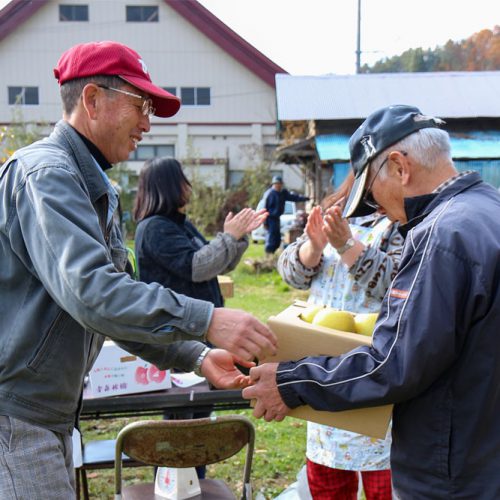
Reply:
x=310, y=312
x=141, y=375
x=365, y=323
x=334, y=318
x=156, y=375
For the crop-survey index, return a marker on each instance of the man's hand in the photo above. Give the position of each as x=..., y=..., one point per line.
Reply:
x=241, y=334
x=264, y=391
x=219, y=369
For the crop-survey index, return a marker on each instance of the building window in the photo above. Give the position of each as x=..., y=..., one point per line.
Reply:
x=171, y=90
x=147, y=151
x=73, y=12
x=23, y=95
x=142, y=13
x=195, y=96
x=235, y=177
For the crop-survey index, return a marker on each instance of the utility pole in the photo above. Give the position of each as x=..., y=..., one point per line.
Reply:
x=358, y=45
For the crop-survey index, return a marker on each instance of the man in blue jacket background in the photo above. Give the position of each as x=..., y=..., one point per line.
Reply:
x=275, y=198
x=435, y=352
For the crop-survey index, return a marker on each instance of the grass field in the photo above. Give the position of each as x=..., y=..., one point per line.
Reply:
x=280, y=447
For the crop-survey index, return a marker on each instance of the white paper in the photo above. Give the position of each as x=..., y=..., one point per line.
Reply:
x=185, y=379
x=77, y=449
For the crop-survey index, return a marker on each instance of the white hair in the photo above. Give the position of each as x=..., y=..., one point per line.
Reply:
x=428, y=147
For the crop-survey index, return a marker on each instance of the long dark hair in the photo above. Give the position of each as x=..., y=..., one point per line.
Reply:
x=342, y=191
x=162, y=189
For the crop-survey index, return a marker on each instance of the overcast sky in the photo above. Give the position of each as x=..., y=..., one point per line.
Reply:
x=319, y=36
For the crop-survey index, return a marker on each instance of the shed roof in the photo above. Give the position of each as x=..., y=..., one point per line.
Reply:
x=466, y=94
x=471, y=145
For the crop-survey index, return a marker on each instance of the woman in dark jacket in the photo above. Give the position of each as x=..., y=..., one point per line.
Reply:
x=171, y=251
x=169, y=248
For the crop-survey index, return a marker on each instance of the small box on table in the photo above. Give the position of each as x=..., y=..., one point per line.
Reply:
x=298, y=339
x=116, y=372
x=226, y=285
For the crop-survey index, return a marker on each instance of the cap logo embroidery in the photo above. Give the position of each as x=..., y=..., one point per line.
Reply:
x=143, y=66
x=366, y=142
x=424, y=118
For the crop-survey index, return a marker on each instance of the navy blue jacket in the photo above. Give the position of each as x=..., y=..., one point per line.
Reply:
x=165, y=247
x=275, y=201
x=435, y=352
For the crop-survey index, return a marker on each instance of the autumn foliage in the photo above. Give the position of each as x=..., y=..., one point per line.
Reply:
x=479, y=52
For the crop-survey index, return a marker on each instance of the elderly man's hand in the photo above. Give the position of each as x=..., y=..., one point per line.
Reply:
x=241, y=334
x=264, y=391
x=219, y=369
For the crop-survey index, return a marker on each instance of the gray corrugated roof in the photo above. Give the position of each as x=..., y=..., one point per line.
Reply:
x=338, y=97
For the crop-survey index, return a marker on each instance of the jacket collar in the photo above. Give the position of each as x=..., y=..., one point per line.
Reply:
x=419, y=207
x=95, y=152
x=70, y=139
x=177, y=217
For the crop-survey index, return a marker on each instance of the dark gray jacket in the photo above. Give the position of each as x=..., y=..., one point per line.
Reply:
x=62, y=286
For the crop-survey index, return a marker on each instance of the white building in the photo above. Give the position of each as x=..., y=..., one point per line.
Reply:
x=228, y=118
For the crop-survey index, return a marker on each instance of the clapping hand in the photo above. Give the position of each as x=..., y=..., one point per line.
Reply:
x=244, y=222
x=314, y=230
x=335, y=227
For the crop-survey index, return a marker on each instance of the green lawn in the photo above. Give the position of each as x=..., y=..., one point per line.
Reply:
x=280, y=447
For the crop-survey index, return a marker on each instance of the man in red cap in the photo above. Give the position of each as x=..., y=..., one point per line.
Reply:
x=62, y=277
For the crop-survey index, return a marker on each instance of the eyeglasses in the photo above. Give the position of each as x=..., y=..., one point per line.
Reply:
x=147, y=104
x=368, y=198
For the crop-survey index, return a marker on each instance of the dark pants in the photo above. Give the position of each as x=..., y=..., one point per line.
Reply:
x=273, y=235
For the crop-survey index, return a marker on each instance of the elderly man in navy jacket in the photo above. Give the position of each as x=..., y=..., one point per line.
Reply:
x=275, y=198
x=435, y=352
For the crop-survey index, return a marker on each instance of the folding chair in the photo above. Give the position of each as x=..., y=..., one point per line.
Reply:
x=98, y=455
x=185, y=443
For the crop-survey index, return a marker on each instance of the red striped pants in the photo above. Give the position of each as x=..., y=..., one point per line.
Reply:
x=326, y=483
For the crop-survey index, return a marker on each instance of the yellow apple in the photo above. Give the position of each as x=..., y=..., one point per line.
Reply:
x=333, y=318
x=365, y=323
x=310, y=312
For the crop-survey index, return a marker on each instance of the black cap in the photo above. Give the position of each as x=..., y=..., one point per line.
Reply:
x=277, y=179
x=380, y=130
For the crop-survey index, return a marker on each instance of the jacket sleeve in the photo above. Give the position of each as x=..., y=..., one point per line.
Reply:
x=181, y=355
x=413, y=343
x=241, y=247
x=292, y=271
x=65, y=245
x=294, y=196
x=220, y=256
x=376, y=267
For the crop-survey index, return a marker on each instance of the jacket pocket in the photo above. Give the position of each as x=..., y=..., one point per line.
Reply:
x=47, y=347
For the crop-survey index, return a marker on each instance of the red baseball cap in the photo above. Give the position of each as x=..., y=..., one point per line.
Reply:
x=112, y=58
